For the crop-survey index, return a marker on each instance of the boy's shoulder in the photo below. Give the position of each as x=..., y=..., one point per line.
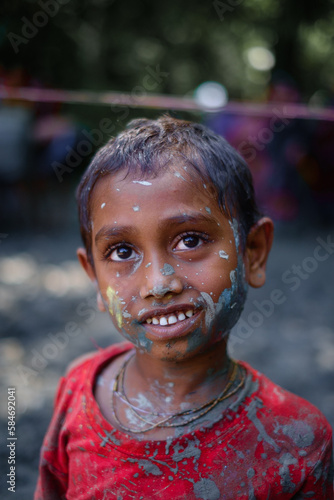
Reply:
x=82, y=371
x=288, y=414
x=93, y=358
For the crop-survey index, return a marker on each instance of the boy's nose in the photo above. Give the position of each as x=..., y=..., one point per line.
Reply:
x=158, y=282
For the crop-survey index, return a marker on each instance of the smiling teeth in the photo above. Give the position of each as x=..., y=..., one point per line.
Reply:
x=170, y=319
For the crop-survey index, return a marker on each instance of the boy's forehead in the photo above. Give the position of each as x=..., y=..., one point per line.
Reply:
x=171, y=199
x=174, y=178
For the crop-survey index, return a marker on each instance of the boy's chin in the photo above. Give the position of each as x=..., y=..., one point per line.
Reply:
x=180, y=350
x=198, y=342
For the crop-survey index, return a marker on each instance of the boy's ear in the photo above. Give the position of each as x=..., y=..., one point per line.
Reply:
x=85, y=264
x=89, y=270
x=258, y=245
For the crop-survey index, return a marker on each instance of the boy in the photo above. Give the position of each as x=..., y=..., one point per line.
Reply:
x=172, y=239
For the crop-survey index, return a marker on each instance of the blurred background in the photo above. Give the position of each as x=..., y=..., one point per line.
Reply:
x=73, y=73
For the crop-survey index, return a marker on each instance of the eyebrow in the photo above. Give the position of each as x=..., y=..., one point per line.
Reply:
x=107, y=232
x=193, y=218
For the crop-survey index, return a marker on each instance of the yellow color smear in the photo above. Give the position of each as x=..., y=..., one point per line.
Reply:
x=114, y=307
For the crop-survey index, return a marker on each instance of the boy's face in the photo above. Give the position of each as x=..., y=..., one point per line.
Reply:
x=167, y=262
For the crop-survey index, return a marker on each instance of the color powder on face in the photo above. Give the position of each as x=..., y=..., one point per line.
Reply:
x=114, y=306
x=223, y=255
x=233, y=299
x=224, y=314
x=177, y=174
x=167, y=270
x=143, y=183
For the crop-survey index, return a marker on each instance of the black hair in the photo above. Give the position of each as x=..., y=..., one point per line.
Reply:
x=146, y=147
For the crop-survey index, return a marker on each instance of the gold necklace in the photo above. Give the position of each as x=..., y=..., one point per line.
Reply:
x=234, y=371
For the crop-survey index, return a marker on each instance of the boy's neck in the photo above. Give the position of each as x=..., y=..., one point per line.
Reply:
x=174, y=383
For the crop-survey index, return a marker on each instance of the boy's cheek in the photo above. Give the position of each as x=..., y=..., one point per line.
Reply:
x=119, y=310
x=113, y=304
x=134, y=332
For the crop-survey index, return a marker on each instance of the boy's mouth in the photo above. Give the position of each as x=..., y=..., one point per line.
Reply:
x=171, y=323
x=169, y=319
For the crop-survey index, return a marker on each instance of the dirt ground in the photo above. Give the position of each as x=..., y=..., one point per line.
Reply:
x=48, y=317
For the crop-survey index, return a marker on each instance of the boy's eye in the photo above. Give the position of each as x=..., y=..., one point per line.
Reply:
x=189, y=241
x=123, y=252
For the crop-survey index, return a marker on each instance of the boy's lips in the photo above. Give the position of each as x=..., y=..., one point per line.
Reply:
x=170, y=322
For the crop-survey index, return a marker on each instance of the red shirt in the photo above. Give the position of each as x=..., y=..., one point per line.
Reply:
x=272, y=445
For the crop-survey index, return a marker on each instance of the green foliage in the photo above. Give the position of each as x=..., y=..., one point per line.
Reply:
x=109, y=45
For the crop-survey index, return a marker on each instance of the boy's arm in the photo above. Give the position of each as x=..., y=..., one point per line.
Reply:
x=53, y=477
x=319, y=483
x=50, y=485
